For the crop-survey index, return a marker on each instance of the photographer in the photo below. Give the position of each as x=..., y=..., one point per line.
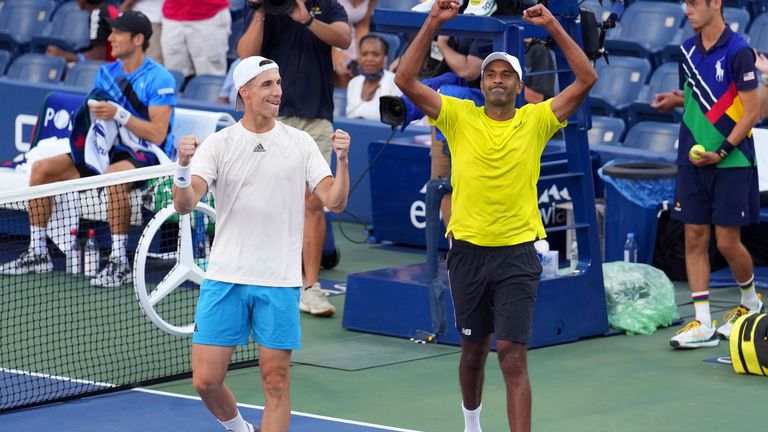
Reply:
x=301, y=42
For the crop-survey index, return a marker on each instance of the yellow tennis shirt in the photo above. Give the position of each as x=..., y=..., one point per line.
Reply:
x=494, y=170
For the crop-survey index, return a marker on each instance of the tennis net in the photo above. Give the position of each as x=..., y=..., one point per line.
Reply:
x=71, y=323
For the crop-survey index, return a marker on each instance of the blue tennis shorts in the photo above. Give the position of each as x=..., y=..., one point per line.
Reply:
x=722, y=197
x=227, y=313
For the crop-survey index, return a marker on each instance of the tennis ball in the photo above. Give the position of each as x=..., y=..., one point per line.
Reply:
x=699, y=148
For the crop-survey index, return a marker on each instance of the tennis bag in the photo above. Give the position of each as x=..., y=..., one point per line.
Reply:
x=749, y=344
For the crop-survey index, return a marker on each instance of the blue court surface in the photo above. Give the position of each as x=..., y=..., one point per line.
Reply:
x=149, y=410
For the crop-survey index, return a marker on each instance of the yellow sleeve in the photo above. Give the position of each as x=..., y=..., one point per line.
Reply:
x=450, y=113
x=547, y=120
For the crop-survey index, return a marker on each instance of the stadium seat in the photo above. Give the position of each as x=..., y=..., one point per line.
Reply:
x=664, y=79
x=203, y=88
x=83, y=74
x=606, y=130
x=237, y=29
x=653, y=136
x=339, y=102
x=758, y=33
x=736, y=18
x=396, y=4
x=68, y=29
x=39, y=68
x=601, y=12
x=179, y=77
x=5, y=59
x=646, y=28
x=618, y=84
x=394, y=42
x=20, y=20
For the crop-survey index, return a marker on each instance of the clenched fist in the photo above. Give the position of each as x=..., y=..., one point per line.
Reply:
x=341, y=142
x=187, y=146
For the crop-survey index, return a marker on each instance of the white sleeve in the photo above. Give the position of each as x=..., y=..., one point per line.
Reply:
x=204, y=161
x=317, y=167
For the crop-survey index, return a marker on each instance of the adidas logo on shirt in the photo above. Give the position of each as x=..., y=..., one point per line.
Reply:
x=259, y=148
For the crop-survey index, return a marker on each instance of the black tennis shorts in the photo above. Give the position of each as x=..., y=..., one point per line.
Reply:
x=493, y=289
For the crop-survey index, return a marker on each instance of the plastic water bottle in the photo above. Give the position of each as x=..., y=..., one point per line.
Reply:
x=92, y=255
x=73, y=254
x=630, y=249
x=573, y=257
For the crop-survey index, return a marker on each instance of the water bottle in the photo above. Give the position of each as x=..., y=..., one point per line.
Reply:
x=573, y=257
x=630, y=249
x=92, y=255
x=73, y=254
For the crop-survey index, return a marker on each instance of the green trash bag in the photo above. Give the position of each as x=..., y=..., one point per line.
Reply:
x=161, y=196
x=640, y=297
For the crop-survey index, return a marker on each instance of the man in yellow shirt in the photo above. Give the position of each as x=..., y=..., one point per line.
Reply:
x=496, y=150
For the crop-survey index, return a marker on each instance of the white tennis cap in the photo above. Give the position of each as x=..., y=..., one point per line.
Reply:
x=512, y=60
x=248, y=69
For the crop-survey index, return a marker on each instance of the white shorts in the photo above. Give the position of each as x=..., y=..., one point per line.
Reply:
x=197, y=47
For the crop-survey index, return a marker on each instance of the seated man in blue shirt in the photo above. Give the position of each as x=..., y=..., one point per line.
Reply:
x=140, y=97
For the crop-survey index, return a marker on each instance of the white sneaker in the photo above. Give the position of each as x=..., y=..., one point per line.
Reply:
x=426, y=5
x=113, y=275
x=28, y=262
x=481, y=7
x=730, y=318
x=695, y=335
x=313, y=301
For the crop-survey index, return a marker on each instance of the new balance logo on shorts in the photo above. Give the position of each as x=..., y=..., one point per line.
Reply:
x=466, y=332
x=259, y=148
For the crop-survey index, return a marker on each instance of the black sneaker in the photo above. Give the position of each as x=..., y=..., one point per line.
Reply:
x=116, y=273
x=28, y=262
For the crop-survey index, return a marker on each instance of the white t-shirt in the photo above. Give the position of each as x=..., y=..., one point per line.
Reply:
x=358, y=108
x=153, y=9
x=760, y=136
x=258, y=183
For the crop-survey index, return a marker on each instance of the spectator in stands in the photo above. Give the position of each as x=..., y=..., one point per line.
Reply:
x=253, y=280
x=138, y=101
x=195, y=37
x=153, y=9
x=761, y=64
x=718, y=186
x=493, y=269
x=359, y=14
x=374, y=81
x=99, y=48
x=301, y=43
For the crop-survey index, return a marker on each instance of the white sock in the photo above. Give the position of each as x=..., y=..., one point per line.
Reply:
x=118, y=247
x=748, y=294
x=701, y=306
x=472, y=419
x=237, y=424
x=37, y=240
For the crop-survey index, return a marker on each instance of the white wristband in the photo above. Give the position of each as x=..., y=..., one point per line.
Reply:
x=183, y=176
x=122, y=115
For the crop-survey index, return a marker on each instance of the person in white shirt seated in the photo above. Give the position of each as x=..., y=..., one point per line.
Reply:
x=374, y=81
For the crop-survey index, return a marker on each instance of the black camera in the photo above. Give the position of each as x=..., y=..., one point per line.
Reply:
x=273, y=7
x=392, y=110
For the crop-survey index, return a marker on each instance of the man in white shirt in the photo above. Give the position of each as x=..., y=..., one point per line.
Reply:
x=258, y=170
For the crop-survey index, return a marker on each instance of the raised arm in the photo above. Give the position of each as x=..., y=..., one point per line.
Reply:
x=334, y=191
x=406, y=78
x=336, y=34
x=251, y=40
x=187, y=189
x=565, y=103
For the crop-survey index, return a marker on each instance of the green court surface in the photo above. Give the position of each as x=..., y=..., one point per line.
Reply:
x=618, y=383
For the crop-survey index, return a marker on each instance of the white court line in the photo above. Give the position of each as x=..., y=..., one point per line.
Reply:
x=298, y=413
x=55, y=377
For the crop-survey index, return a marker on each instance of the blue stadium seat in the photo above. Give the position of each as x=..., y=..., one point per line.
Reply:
x=618, y=84
x=601, y=11
x=758, y=33
x=665, y=78
x=646, y=28
x=339, y=102
x=39, y=68
x=236, y=30
x=179, y=77
x=20, y=20
x=396, y=4
x=736, y=18
x=653, y=136
x=606, y=130
x=83, y=74
x=68, y=29
x=395, y=43
x=203, y=88
x=5, y=59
